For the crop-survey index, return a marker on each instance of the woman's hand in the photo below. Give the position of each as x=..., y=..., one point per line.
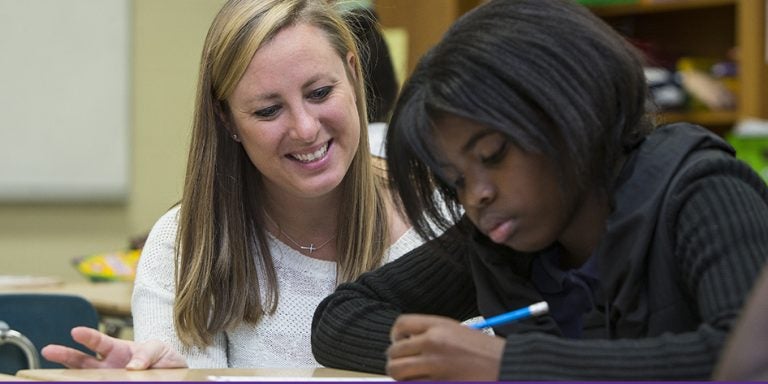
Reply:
x=113, y=353
x=436, y=348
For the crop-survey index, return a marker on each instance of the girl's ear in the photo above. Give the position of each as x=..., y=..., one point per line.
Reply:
x=222, y=113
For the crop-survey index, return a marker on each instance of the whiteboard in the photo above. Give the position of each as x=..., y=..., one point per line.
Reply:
x=64, y=100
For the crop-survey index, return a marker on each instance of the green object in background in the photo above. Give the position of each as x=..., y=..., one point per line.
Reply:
x=753, y=150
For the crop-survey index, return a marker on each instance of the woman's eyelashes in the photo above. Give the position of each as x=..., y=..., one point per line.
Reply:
x=316, y=95
x=268, y=112
x=320, y=93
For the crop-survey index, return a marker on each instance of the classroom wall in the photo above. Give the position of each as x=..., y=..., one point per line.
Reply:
x=41, y=239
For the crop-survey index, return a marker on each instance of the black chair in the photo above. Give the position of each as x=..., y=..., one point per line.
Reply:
x=41, y=319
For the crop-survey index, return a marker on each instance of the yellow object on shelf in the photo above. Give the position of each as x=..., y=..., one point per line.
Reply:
x=109, y=266
x=706, y=91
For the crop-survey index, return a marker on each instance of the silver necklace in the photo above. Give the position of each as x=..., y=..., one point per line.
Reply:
x=311, y=247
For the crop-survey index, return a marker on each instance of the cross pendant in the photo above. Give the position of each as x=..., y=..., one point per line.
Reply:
x=311, y=248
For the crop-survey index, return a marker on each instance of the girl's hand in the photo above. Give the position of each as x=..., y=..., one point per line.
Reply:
x=437, y=348
x=113, y=353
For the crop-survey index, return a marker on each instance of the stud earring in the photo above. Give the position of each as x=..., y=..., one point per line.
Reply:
x=235, y=137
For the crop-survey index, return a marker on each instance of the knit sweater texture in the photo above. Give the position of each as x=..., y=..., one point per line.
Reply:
x=667, y=308
x=278, y=340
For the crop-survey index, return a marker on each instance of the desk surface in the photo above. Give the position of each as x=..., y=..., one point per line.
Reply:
x=4, y=377
x=109, y=298
x=258, y=374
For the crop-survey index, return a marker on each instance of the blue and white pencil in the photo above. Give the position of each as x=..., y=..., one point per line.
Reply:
x=536, y=309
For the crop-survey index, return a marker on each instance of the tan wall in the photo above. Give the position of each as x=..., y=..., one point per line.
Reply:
x=167, y=40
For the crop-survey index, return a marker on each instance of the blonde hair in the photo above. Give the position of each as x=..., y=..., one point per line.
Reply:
x=221, y=223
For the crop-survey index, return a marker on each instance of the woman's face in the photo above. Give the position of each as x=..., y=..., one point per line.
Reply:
x=294, y=111
x=513, y=197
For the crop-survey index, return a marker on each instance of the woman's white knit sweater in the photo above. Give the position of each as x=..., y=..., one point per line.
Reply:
x=278, y=340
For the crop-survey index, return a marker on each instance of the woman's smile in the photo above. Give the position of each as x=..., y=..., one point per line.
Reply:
x=311, y=155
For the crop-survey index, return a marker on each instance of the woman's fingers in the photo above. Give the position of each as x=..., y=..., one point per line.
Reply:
x=69, y=357
x=113, y=353
x=94, y=340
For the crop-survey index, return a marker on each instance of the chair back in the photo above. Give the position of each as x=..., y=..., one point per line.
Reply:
x=42, y=319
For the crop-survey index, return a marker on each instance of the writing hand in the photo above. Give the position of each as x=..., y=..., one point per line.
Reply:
x=113, y=353
x=437, y=348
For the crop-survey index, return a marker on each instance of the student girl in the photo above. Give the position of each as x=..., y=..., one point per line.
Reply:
x=280, y=202
x=531, y=116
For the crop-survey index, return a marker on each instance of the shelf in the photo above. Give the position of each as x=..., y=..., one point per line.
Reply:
x=719, y=122
x=656, y=7
x=720, y=29
x=674, y=28
x=705, y=118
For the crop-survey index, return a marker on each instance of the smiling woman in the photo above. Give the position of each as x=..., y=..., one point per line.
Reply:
x=299, y=128
x=280, y=204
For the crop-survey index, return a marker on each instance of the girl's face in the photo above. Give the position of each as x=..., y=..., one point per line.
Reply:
x=513, y=197
x=294, y=111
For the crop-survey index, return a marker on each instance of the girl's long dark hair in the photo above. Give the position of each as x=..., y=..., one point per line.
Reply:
x=551, y=76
